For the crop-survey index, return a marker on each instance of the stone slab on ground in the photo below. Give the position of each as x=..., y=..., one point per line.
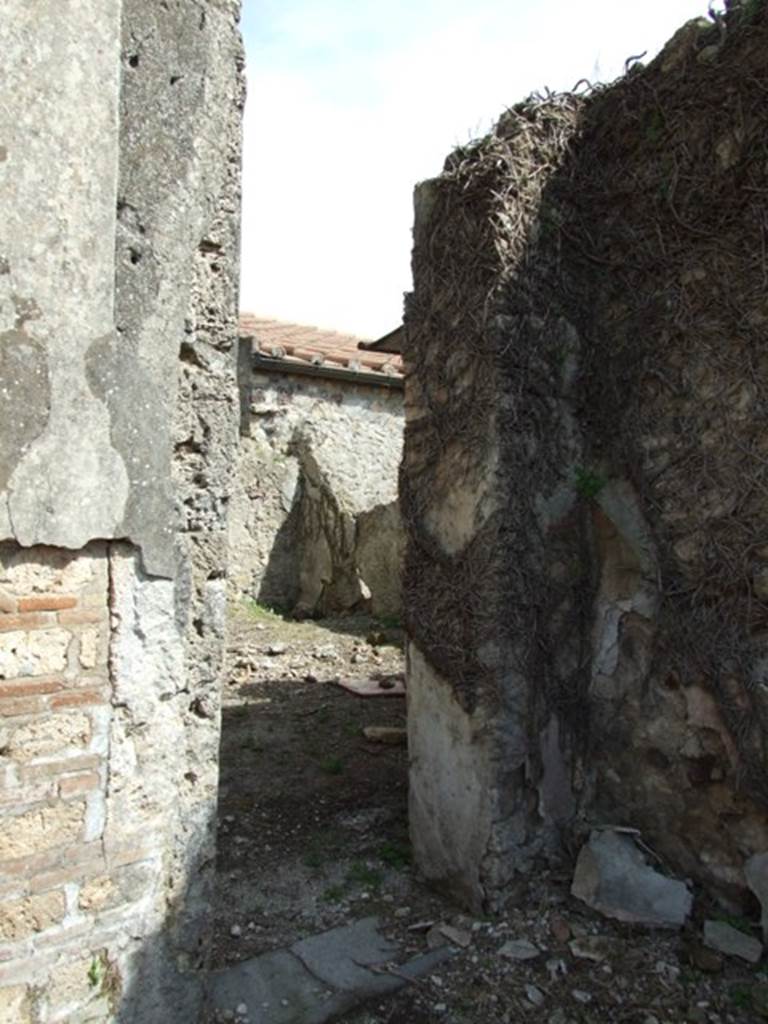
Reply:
x=318, y=978
x=728, y=940
x=373, y=686
x=612, y=877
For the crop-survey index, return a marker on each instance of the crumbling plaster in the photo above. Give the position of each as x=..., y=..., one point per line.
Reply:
x=120, y=186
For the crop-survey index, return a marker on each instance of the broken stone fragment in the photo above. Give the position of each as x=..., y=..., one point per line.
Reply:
x=732, y=942
x=592, y=947
x=612, y=877
x=756, y=871
x=456, y=936
x=519, y=949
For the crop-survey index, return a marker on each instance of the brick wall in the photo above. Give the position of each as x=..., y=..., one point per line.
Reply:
x=59, y=882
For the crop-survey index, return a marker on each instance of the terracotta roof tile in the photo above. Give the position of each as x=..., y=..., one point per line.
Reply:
x=299, y=343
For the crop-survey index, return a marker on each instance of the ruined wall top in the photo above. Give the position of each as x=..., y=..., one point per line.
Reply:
x=96, y=214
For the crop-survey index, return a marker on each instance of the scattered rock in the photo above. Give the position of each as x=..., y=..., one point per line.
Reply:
x=592, y=947
x=612, y=877
x=274, y=650
x=581, y=997
x=519, y=949
x=403, y=912
x=456, y=936
x=731, y=942
x=435, y=938
x=420, y=926
x=534, y=995
x=325, y=652
x=756, y=871
x=556, y=968
x=235, y=931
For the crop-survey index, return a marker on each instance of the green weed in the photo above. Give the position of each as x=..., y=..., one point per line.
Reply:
x=95, y=973
x=333, y=894
x=588, y=482
x=332, y=766
x=263, y=612
x=395, y=855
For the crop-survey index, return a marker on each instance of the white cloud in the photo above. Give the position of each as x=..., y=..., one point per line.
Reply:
x=334, y=145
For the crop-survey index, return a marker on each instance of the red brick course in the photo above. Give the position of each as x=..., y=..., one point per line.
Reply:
x=46, y=603
x=28, y=620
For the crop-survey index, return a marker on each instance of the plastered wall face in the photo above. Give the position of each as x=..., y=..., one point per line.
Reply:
x=315, y=524
x=118, y=299
x=61, y=480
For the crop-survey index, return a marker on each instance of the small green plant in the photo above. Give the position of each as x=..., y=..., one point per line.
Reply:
x=333, y=894
x=588, y=482
x=263, y=612
x=95, y=972
x=395, y=855
x=332, y=766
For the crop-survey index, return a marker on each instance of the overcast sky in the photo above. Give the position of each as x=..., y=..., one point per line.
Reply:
x=351, y=102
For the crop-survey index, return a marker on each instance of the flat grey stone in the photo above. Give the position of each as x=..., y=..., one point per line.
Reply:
x=318, y=978
x=756, y=872
x=276, y=988
x=519, y=949
x=730, y=941
x=612, y=877
x=341, y=956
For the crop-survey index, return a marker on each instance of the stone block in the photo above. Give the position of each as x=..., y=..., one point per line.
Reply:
x=48, y=736
x=96, y=894
x=89, y=648
x=22, y=918
x=15, y=1006
x=37, y=653
x=612, y=876
x=73, y=985
x=41, y=829
x=45, y=570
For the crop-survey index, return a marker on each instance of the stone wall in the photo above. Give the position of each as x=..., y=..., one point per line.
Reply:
x=119, y=177
x=315, y=526
x=584, y=476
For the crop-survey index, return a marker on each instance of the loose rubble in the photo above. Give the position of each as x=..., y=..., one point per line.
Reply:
x=313, y=836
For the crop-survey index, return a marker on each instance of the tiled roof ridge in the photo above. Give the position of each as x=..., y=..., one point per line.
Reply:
x=252, y=322
x=300, y=343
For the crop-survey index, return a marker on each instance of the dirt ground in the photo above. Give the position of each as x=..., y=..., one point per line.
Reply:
x=313, y=833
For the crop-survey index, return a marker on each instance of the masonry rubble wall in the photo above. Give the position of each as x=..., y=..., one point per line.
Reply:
x=315, y=525
x=584, y=476
x=119, y=184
